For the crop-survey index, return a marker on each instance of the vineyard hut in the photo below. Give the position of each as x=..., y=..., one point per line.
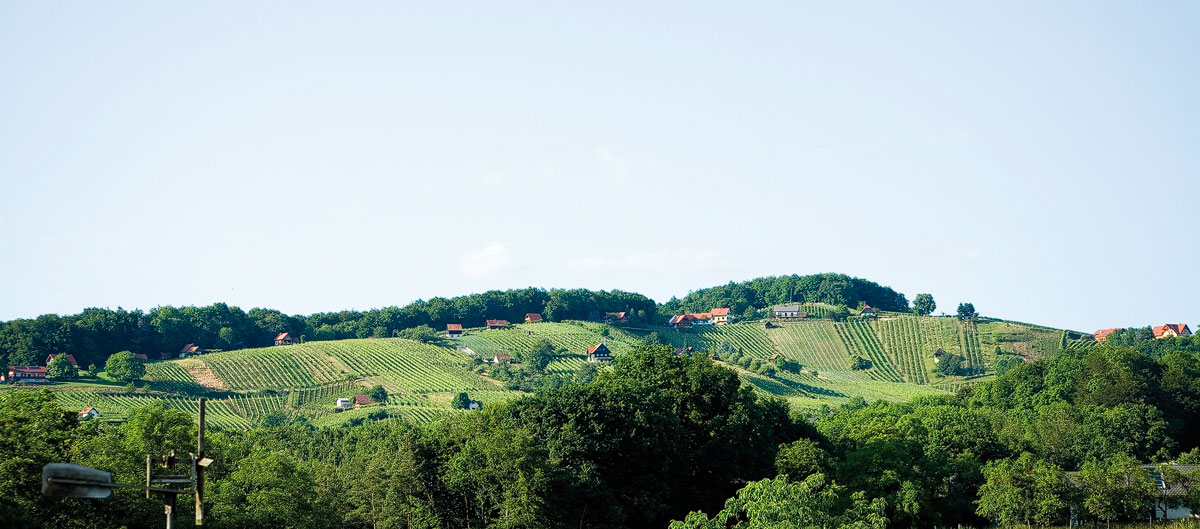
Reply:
x=867, y=312
x=32, y=374
x=454, y=330
x=1171, y=330
x=789, y=311
x=616, y=317
x=344, y=403
x=599, y=354
x=532, y=317
x=497, y=324
x=141, y=356
x=1102, y=334
x=680, y=320
x=363, y=400
x=284, y=338
x=474, y=405
x=190, y=349
x=88, y=413
x=937, y=355
x=774, y=357
x=720, y=316
x=70, y=358
x=501, y=357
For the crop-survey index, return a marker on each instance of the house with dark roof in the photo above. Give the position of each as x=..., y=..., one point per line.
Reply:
x=497, y=324
x=1172, y=330
x=531, y=317
x=284, y=338
x=70, y=358
x=1168, y=503
x=1102, y=334
x=937, y=355
x=190, y=349
x=789, y=311
x=454, y=330
x=867, y=312
x=599, y=354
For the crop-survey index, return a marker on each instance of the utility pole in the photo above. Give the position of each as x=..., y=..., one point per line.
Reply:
x=75, y=481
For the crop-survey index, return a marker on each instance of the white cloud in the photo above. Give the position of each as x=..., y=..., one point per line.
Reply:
x=485, y=261
x=663, y=261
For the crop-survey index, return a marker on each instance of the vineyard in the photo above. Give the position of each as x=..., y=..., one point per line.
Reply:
x=305, y=380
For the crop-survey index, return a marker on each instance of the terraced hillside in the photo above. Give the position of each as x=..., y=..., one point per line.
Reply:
x=302, y=380
x=305, y=380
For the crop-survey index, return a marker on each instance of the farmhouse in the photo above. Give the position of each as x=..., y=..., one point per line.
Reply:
x=284, y=338
x=1172, y=330
x=363, y=400
x=1102, y=334
x=29, y=374
x=88, y=413
x=692, y=318
x=867, y=312
x=190, y=349
x=532, y=317
x=497, y=324
x=789, y=311
x=616, y=317
x=599, y=354
x=720, y=316
x=70, y=358
x=501, y=357
x=454, y=330
x=1167, y=505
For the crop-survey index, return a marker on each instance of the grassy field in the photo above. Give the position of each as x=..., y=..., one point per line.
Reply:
x=305, y=380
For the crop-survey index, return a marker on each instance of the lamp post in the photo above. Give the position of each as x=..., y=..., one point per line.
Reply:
x=64, y=480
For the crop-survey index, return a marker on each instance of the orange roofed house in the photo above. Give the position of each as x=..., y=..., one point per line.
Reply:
x=1171, y=330
x=599, y=354
x=532, y=317
x=1102, y=334
x=497, y=324
x=284, y=338
x=454, y=330
x=720, y=316
x=616, y=317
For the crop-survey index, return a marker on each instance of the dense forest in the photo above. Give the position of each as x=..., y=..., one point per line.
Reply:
x=658, y=437
x=834, y=289
x=94, y=334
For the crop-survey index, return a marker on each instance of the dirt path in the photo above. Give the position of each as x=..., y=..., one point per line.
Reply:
x=203, y=375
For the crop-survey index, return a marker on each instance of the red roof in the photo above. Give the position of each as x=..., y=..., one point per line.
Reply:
x=454, y=327
x=724, y=311
x=361, y=400
x=1179, y=328
x=533, y=316
x=617, y=315
x=1102, y=334
x=70, y=358
x=282, y=336
x=86, y=410
x=190, y=348
x=497, y=323
x=142, y=356
x=773, y=357
x=32, y=370
x=502, y=356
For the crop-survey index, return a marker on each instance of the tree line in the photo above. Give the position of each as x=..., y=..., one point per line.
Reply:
x=94, y=334
x=655, y=438
x=764, y=292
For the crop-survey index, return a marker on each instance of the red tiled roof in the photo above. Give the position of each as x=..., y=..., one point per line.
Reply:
x=497, y=323
x=142, y=356
x=502, y=356
x=1179, y=328
x=282, y=336
x=723, y=311
x=28, y=369
x=533, y=316
x=593, y=348
x=699, y=315
x=361, y=400
x=190, y=348
x=453, y=326
x=86, y=410
x=773, y=357
x=617, y=315
x=1102, y=334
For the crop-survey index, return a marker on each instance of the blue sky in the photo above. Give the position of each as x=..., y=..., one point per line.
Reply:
x=1036, y=158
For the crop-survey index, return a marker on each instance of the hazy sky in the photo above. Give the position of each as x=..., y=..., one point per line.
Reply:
x=1040, y=159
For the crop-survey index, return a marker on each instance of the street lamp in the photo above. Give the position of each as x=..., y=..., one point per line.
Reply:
x=64, y=480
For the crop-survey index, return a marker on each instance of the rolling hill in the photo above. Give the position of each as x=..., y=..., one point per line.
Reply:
x=305, y=380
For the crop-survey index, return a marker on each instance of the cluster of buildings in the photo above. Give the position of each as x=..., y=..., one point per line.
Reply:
x=1169, y=330
x=717, y=316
